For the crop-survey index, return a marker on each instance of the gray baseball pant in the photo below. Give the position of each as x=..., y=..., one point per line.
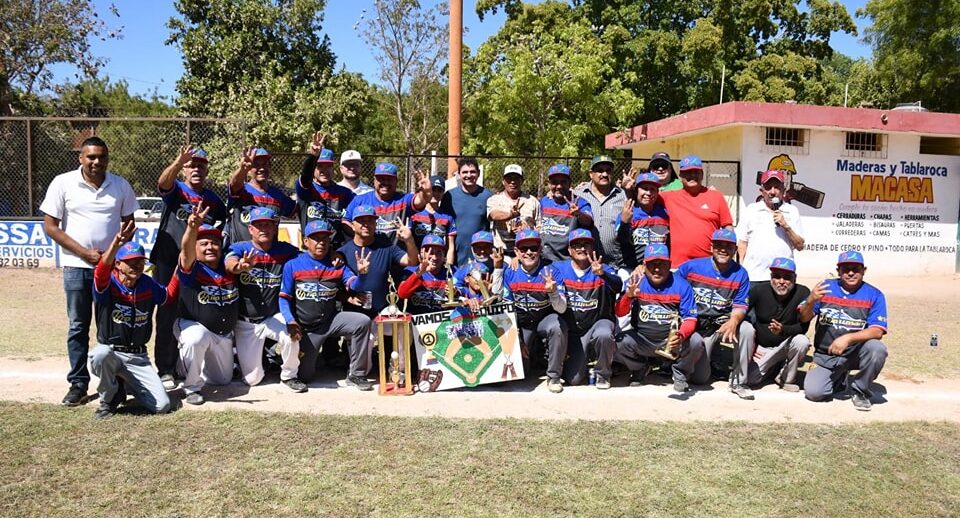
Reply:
x=346, y=324
x=551, y=331
x=788, y=354
x=823, y=381
x=633, y=347
x=137, y=374
x=599, y=338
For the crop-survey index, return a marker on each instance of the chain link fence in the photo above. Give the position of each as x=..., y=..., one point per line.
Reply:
x=34, y=150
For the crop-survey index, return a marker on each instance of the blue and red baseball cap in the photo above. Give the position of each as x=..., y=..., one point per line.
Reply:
x=691, y=163
x=580, y=234
x=317, y=226
x=131, y=250
x=363, y=211
x=432, y=240
x=325, y=156
x=784, y=263
x=850, y=256
x=481, y=237
x=656, y=252
x=209, y=232
x=558, y=169
x=527, y=235
x=259, y=152
x=724, y=234
x=385, y=169
x=199, y=155
x=648, y=178
x=262, y=214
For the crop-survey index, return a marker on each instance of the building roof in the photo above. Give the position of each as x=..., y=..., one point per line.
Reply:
x=788, y=115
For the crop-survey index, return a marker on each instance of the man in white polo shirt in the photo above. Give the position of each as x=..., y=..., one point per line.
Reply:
x=83, y=210
x=768, y=229
x=351, y=165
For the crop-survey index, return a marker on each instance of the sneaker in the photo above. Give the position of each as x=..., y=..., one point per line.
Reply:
x=861, y=402
x=194, y=398
x=360, y=382
x=790, y=387
x=75, y=396
x=555, y=385
x=742, y=391
x=105, y=411
x=602, y=383
x=168, y=382
x=637, y=377
x=295, y=385
x=680, y=386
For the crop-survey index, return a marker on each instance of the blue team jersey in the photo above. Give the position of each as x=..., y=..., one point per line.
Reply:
x=260, y=287
x=178, y=202
x=385, y=259
x=327, y=203
x=209, y=296
x=555, y=225
x=250, y=197
x=589, y=297
x=644, y=228
x=436, y=223
x=390, y=213
x=840, y=313
x=430, y=295
x=654, y=309
x=310, y=288
x=716, y=293
x=527, y=292
x=124, y=315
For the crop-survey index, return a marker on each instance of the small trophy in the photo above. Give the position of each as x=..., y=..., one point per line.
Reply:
x=664, y=350
x=453, y=298
x=478, y=272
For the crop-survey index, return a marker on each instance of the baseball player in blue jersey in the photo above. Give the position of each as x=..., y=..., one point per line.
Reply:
x=487, y=262
x=392, y=207
x=644, y=222
x=852, y=318
x=721, y=288
x=561, y=211
x=318, y=197
x=257, y=192
x=426, y=284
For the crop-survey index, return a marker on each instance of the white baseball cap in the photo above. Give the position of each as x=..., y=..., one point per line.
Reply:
x=350, y=154
x=513, y=169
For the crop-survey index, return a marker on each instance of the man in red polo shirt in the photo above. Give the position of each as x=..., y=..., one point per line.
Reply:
x=695, y=213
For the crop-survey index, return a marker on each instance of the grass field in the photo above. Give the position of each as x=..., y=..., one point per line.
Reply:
x=60, y=462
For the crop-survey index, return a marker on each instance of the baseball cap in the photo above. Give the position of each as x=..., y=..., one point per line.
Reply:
x=325, y=157
x=385, y=169
x=771, y=174
x=481, y=237
x=656, y=251
x=438, y=182
x=363, y=211
x=513, y=169
x=350, y=154
x=262, y=214
x=317, y=226
x=259, y=152
x=600, y=159
x=558, y=169
x=660, y=157
x=691, y=163
x=199, y=154
x=850, y=256
x=527, y=235
x=432, y=240
x=131, y=250
x=648, y=178
x=209, y=232
x=724, y=234
x=784, y=263
x=580, y=234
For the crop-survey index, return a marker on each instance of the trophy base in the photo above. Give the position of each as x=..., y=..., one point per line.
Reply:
x=394, y=389
x=666, y=354
x=490, y=300
x=451, y=305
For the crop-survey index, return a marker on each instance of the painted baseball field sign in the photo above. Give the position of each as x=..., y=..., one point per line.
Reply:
x=460, y=348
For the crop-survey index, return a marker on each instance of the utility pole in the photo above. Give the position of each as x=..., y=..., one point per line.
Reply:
x=454, y=96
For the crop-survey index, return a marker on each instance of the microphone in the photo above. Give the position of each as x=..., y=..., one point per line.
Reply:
x=775, y=204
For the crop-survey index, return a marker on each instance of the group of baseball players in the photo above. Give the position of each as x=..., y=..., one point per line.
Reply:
x=642, y=272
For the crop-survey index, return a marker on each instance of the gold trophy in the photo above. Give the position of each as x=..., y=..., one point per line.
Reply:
x=397, y=380
x=478, y=271
x=453, y=298
x=664, y=350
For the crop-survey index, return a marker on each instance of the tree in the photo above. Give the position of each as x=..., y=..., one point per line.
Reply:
x=544, y=84
x=37, y=35
x=916, y=50
x=409, y=43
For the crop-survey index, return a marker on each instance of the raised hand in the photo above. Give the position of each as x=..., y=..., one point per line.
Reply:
x=127, y=230
x=818, y=292
x=515, y=210
x=363, y=260
x=404, y=233
x=633, y=283
x=497, y=256
x=549, y=283
x=574, y=207
x=424, y=258
x=245, y=263
x=316, y=144
x=775, y=327
x=184, y=155
x=198, y=214
x=596, y=263
x=627, y=182
x=337, y=260
x=423, y=183
x=627, y=213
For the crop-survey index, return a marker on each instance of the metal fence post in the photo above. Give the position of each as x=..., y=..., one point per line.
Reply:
x=30, y=166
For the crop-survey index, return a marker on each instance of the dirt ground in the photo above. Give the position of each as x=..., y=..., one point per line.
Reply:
x=918, y=382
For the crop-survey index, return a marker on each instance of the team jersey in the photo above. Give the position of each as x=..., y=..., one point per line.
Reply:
x=654, y=309
x=327, y=203
x=527, y=292
x=260, y=287
x=436, y=223
x=310, y=288
x=841, y=313
x=390, y=213
x=385, y=259
x=125, y=315
x=178, y=203
x=556, y=222
x=644, y=228
x=250, y=197
x=210, y=297
x=589, y=297
x=716, y=293
x=426, y=292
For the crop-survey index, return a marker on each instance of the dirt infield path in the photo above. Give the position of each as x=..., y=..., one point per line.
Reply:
x=895, y=400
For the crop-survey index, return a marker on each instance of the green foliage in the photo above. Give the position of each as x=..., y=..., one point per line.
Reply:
x=916, y=49
x=101, y=98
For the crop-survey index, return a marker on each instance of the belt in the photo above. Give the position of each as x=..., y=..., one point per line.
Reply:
x=130, y=349
x=251, y=319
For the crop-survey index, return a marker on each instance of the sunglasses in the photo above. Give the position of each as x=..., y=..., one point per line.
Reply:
x=528, y=248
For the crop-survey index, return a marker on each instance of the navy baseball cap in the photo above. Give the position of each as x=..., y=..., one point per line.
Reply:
x=325, y=156
x=580, y=234
x=385, y=169
x=363, y=211
x=262, y=214
x=209, y=232
x=691, y=163
x=131, y=250
x=558, y=169
x=317, y=226
x=784, y=263
x=481, y=237
x=528, y=235
x=656, y=252
x=259, y=152
x=432, y=240
x=199, y=154
x=648, y=178
x=850, y=256
x=724, y=234
x=437, y=182
x=660, y=158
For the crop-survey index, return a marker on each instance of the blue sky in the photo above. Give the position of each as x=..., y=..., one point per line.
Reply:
x=142, y=59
